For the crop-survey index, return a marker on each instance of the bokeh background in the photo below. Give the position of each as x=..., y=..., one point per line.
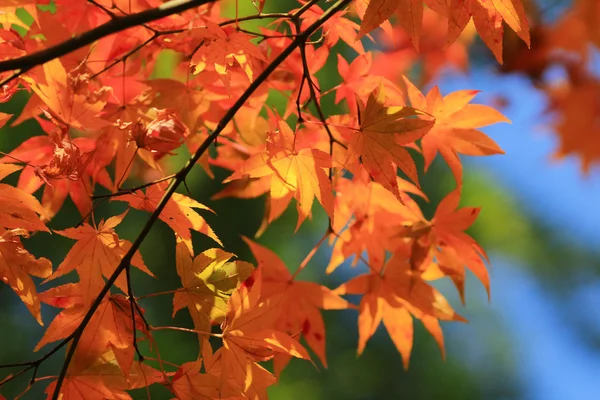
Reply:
x=538, y=338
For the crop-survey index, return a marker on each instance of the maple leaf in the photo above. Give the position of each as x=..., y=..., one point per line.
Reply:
x=220, y=47
x=16, y=266
x=294, y=170
x=64, y=166
x=248, y=335
x=378, y=141
x=65, y=96
x=165, y=133
x=300, y=301
x=335, y=29
x=4, y=118
x=231, y=155
x=110, y=328
x=18, y=209
x=487, y=16
x=189, y=384
x=191, y=102
x=576, y=126
x=207, y=281
x=97, y=253
x=367, y=219
x=443, y=239
x=102, y=378
x=410, y=15
x=391, y=295
x=454, y=131
x=179, y=212
x=435, y=55
x=359, y=81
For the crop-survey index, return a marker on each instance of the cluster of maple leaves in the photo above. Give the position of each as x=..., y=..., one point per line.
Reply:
x=104, y=122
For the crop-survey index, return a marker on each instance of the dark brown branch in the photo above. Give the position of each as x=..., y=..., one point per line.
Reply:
x=113, y=26
x=108, y=12
x=180, y=177
x=32, y=364
x=313, y=96
x=134, y=307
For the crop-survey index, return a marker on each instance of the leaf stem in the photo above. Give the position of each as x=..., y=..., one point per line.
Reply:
x=181, y=329
x=145, y=296
x=310, y=255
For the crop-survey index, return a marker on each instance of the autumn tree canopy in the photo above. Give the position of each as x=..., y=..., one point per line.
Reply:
x=110, y=130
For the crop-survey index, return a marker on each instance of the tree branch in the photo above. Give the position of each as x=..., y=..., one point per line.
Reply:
x=182, y=174
x=115, y=25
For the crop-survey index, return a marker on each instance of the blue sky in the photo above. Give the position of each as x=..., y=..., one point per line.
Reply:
x=554, y=190
x=553, y=361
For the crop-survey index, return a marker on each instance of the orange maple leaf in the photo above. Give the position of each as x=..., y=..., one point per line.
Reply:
x=391, y=294
x=367, y=216
x=102, y=378
x=66, y=98
x=487, y=16
x=16, y=266
x=454, y=131
x=110, y=328
x=207, y=281
x=300, y=301
x=576, y=125
x=295, y=170
x=219, y=47
x=189, y=384
x=19, y=209
x=248, y=335
x=179, y=212
x=190, y=102
x=335, y=29
x=359, y=81
x=97, y=253
x=63, y=166
x=380, y=138
x=442, y=248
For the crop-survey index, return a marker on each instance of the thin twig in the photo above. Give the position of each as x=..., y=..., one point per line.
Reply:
x=29, y=61
x=311, y=254
x=32, y=364
x=180, y=329
x=253, y=17
x=134, y=307
x=158, y=294
x=264, y=36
